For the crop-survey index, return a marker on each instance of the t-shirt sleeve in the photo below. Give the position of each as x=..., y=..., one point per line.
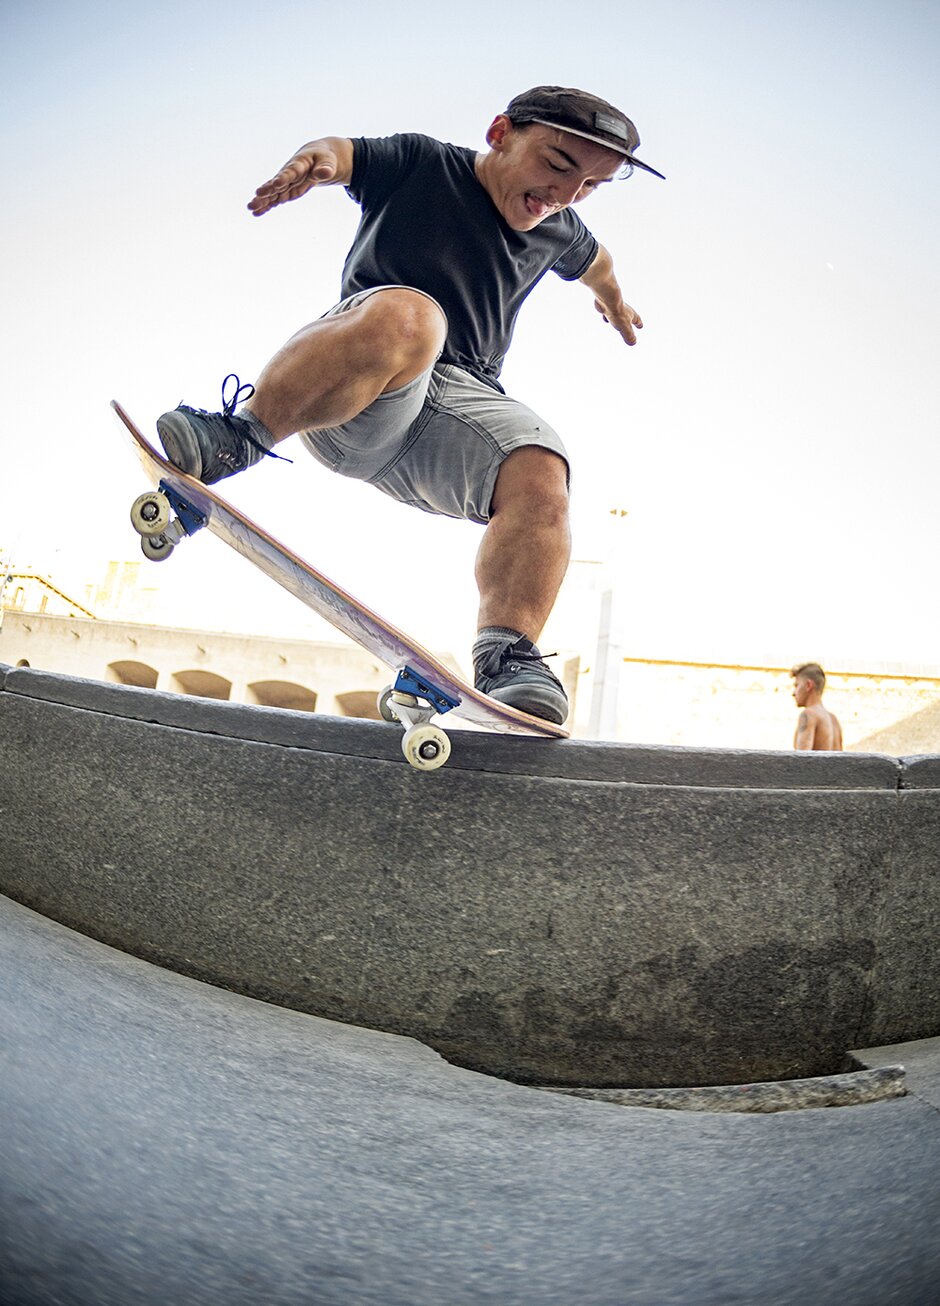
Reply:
x=380, y=164
x=580, y=253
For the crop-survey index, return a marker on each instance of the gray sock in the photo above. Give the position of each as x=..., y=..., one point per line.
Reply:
x=491, y=637
x=258, y=429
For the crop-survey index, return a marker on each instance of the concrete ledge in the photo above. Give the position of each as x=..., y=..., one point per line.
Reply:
x=557, y=759
x=750, y=918
x=920, y=773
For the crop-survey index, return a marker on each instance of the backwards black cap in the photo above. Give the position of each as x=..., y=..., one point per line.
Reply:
x=582, y=114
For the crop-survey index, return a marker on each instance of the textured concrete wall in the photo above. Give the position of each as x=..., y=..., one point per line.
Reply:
x=551, y=911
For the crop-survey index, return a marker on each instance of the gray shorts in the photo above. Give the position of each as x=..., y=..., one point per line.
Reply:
x=437, y=443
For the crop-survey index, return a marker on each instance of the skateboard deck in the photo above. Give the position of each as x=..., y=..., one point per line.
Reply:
x=423, y=685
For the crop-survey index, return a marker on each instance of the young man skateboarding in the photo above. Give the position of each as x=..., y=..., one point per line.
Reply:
x=817, y=729
x=398, y=384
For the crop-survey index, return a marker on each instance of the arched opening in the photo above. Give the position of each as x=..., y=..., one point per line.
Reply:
x=202, y=684
x=360, y=703
x=282, y=693
x=132, y=673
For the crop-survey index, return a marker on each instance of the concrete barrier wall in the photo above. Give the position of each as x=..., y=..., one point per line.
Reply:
x=563, y=913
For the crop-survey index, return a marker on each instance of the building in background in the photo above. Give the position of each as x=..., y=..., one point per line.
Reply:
x=674, y=701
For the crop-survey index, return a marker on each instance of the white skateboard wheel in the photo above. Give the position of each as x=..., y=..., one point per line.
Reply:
x=425, y=747
x=150, y=513
x=156, y=547
x=386, y=711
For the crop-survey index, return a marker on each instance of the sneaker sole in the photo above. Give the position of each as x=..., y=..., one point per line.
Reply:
x=179, y=443
x=545, y=704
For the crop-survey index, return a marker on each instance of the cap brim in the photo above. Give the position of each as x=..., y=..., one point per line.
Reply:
x=599, y=140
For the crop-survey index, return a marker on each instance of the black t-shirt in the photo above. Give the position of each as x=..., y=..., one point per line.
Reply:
x=428, y=222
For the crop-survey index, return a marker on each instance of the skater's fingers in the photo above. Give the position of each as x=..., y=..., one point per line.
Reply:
x=324, y=162
x=308, y=168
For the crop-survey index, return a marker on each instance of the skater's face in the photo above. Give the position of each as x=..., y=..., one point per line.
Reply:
x=534, y=171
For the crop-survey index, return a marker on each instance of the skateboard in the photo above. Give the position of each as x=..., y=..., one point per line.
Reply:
x=178, y=506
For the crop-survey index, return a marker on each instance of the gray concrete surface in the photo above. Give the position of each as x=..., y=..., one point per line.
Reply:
x=563, y=913
x=921, y=1061
x=166, y=1143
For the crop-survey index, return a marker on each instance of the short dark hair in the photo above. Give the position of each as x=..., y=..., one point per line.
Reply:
x=810, y=671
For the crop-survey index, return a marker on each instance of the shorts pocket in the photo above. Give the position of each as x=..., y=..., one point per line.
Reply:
x=325, y=449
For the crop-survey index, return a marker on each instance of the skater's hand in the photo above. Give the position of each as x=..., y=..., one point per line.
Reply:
x=601, y=280
x=326, y=162
x=622, y=318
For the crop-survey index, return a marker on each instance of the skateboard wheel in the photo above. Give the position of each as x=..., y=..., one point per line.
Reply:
x=386, y=711
x=150, y=513
x=425, y=747
x=156, y=547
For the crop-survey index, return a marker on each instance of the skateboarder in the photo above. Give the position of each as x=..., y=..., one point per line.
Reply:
x=817, y=729
x=398, y=384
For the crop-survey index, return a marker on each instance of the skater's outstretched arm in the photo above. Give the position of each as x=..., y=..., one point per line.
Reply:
x=326, y=162
x=608, y=299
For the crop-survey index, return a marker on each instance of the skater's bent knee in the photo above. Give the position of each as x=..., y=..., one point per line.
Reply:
x=411, y=322
x=535, y=479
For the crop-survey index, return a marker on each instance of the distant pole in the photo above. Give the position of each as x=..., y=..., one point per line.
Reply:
x=4, y=581
x=609, y=656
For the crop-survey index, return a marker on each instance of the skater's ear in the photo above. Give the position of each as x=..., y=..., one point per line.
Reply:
x=499, y=131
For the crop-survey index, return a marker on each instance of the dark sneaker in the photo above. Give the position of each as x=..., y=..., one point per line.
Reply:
x=513, y=672
x=211, y=446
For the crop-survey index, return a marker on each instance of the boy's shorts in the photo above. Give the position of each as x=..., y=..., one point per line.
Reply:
x=436, y=443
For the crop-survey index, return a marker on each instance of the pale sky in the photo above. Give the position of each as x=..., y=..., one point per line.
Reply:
x=773, y=436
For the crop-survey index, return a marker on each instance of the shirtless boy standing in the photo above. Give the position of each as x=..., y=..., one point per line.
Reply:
x=817, y=729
